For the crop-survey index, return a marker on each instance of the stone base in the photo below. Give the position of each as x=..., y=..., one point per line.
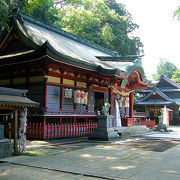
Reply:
x=1, y=131
x=131, y=131
x=104, y=132
x=161, y=127
x=5, y=149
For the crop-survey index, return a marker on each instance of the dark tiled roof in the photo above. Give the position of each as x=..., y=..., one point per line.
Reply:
x=169, y=81
x=163, y=99
x=15, y=97
x=70, y=46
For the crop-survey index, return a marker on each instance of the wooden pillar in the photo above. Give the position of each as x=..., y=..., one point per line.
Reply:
x=61, y=98
x=87, y=106
x=16, y=132
x=44, y=128
x=45, y=96
x=131, y=105
x=60, y=120
x=111, y=101
x=75, y=84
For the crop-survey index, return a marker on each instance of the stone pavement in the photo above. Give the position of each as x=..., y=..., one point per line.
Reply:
x=131, y=158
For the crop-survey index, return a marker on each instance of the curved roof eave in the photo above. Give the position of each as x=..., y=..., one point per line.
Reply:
x=154, y=103
x=161, y=94
x=169, y=81
x=132, y=69
x=22, y=31
x=76, y=62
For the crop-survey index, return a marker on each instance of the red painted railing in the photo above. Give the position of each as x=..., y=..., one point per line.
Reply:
x=52, y=131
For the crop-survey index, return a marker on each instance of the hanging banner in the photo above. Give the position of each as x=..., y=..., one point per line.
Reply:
x=77, y=96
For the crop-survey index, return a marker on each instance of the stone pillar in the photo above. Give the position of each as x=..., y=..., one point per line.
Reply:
x=105, y=131
x=131, y=105
x=16, y=133
x=163, y=120
x=111, y=101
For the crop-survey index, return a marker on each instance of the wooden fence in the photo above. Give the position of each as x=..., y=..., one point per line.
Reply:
x=53, y=131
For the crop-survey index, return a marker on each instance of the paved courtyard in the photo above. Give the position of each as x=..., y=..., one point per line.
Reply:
x=150, y=156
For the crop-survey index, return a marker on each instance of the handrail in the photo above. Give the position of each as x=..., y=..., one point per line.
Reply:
x=70, y=111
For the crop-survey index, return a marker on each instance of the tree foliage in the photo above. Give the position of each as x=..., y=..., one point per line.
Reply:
x=165, y=68
x=177, y=13
x=42, y=9
x=176, y=76
x=104, y=22
x=4, y=11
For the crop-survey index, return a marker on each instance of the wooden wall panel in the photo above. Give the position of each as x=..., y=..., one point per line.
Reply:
x=5, y=82
x=81, y=108
x=53, y=98
x=19, y=80
x=36, y=93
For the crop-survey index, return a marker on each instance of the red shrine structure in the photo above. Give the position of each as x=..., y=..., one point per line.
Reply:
x=70, y=77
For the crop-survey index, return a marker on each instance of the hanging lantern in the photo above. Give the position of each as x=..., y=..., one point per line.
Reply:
x=77, y=96
x=82, y=97
x=70, y=93
x=85, y=98
x=67, y=93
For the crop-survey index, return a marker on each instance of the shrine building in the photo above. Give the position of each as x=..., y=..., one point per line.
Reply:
x=165, y=93
x=70, y=77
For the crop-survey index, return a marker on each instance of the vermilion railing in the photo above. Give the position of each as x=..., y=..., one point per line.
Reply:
x=52, y=131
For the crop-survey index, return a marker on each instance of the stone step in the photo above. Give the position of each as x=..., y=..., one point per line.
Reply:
x=133, y=130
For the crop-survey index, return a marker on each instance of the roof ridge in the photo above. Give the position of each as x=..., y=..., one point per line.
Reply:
x=169, y=80
x=161, y=93
x=67, y=34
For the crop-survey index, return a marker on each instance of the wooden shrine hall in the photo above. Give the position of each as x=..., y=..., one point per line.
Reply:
x=70, y=77
x=12, y=103
x=165, y=93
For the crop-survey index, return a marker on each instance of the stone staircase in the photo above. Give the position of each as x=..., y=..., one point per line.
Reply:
x=132, y=131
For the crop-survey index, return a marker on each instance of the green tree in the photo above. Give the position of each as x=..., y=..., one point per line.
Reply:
x=42, y=9
x=4, y=11
x=176, y=76
x=177, y=13
x=104, y=22
x=165, y=68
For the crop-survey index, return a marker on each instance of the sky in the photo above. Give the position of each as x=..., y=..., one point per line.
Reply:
x=158, y=31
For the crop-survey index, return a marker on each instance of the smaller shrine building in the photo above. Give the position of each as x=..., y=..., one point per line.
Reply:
x=166, y=93
x=12, y=122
